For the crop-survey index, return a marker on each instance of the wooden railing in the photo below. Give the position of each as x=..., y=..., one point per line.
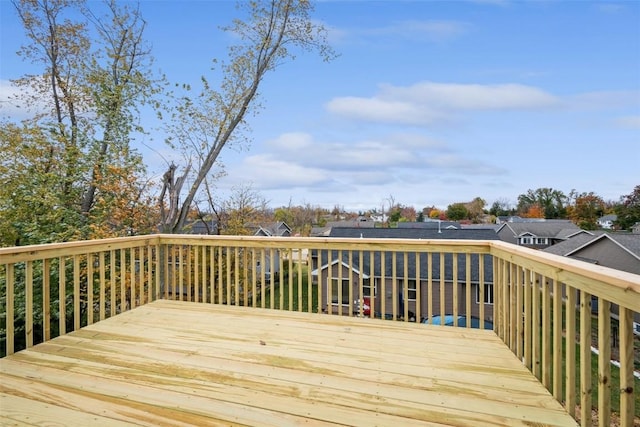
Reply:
x=565, y=319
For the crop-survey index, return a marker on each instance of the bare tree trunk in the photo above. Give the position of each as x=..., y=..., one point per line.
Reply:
x=171, y=187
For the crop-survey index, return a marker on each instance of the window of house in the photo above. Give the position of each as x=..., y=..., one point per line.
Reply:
x=412, y=293
x=541, y=240
x=340, y=296
x=526, y=240
x=488, y=294
x=367, y=288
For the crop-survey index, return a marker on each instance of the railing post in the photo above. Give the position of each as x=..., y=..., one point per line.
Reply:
x=627, y=391
x=585, y=359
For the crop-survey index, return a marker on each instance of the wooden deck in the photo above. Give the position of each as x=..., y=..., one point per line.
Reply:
x=176, y=363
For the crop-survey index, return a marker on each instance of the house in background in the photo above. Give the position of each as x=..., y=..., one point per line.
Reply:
x=614, y=250
x=274, y=229
x=431, y=223
x=618, y=250
x=539, y=234
x=607, y=221
x=200, y=226
x=390, y=283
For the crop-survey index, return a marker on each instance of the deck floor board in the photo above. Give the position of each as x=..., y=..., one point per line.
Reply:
x=179, y=363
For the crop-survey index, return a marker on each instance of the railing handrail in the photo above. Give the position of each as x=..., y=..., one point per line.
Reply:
x=623, y=287
x=15, y=254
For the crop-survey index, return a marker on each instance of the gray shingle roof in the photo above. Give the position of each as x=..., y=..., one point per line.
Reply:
x=410, y=270
x=416, y=233
x=553, y=229
x=629, y=241
x=569, y=245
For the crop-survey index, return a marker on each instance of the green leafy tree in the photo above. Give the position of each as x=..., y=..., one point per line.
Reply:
x=204, y=125
x=628, y=210
x=457, y=211
x=501, y=207
x=77, y=144
x=552, y=202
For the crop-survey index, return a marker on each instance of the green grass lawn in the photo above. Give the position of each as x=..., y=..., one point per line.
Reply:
x=289, y=291
x=614, y=381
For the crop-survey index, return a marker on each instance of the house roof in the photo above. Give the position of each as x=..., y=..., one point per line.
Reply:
x=608, y=218
x=627, y=241
x=331, y=257
x=565, y=247
x=430, y=224
x=427, y=268
x=550, y=229
x=416, y=233
x=278, y=229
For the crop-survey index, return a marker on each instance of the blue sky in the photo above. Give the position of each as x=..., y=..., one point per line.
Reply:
x=430, y=102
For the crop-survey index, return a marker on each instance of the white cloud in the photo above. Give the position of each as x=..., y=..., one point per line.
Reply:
x=298, y=162
x=270, y=172
x=386, y=111
x=394, y=150
x=427, y=103
x=451, y=96
x=9, y=104
x=18, y=103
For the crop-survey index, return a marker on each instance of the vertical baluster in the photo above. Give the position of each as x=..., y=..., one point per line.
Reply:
x=132, y=277
x=189, y=273
x=10, y=283
x=430, y=287
x=467, y=288
x=149, y=279
x=272, y=293
x=196, y=273
x=103, y=284
x=455, y=292
x=77, y=315
x=535, y=320
x=585, y=359
x=121, y=275
x=46, y=300
x=373, y=297
x=627, y=401
x=350, y=270
x=557, y=340
x=383, y=285
x=604, y=362
x=442, y=288
x=418, y=313
x=181, y=272
x=546, y=334
x=112, y=283
x=28, y=300
x=481, y=284
x=321, y=285
x=570, y=352
x=62, y=296
x=519, y=316
x=528, y=340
